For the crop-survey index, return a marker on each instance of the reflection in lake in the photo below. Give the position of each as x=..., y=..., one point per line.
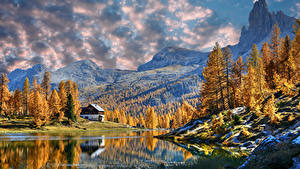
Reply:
x=96, y=150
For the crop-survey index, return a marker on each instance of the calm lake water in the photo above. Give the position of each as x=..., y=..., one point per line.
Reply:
x=107, y=150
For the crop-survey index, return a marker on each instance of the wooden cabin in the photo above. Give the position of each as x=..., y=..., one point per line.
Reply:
x=93, y=112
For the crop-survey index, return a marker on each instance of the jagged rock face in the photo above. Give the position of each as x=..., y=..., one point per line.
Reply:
x=18, y=76
x=174, y=56
x=261, y=22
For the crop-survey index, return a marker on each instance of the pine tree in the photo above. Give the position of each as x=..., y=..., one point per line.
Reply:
x=46, y=86
x=69, y=112
x=25, y=96
x=55, y=106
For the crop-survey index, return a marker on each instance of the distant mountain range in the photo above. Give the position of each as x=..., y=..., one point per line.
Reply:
x=175, y=69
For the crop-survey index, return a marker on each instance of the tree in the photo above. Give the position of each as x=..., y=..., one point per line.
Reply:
x=25, y=95
x=295, y=52
x=254, y=55
x=270, y=111
x=17, y=102
x=142, y=121
x=250, y=88
x=122, y=118
x=46, y=86
x=237, y=75
x=38, y=107
x=269, y=65
x=69, y=112
x=275, y=45
x=228, y=68
x=285, y=48
x=151, y=120
x=55, y=106
x=4, y=94
x=62, y=95
x=212, y=91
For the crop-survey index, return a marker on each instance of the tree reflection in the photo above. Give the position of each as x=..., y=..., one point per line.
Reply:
x=74, y=152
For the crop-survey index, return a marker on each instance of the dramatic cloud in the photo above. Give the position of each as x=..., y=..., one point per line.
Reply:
x=113, y=33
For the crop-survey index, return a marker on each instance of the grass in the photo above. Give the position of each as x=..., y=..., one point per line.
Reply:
x=25, y=126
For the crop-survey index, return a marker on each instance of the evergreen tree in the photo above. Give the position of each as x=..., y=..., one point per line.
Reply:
x=69, y=112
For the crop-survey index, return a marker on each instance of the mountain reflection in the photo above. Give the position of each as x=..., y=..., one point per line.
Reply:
x=122, y=149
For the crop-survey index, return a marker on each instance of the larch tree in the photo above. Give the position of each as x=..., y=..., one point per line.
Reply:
x=269, y=64
x=228, y=68
x=212, y=91
x=17, y=102
x=55, y=106
x=275, y=45
x=296, y=52
x=253, y=58
x=237, y=74
x=46, y=86
x=25, y=95
x=4, y=94
x=62, y=95
x=142, y=121
x=250, y=88
x=38, y=107
x=285, y=48
x=151, y=119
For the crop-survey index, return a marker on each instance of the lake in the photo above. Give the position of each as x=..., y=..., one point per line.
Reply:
x=111, y=149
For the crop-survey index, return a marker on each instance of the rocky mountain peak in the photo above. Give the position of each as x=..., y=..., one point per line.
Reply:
x=261, y=21
x=259, y=16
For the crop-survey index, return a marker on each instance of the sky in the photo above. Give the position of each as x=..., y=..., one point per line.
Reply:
x=120, y=34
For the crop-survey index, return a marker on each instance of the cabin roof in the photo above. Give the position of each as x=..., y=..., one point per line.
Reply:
x=97, y=107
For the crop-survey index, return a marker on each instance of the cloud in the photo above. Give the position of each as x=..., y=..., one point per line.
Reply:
x=114, y=34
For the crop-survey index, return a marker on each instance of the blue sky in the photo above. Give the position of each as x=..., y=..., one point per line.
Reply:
x=117, y=33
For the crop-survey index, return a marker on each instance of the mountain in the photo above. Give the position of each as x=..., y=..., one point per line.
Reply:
x=84, y=73
x=261, y=21
x=174, y=56
x=18, y=76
